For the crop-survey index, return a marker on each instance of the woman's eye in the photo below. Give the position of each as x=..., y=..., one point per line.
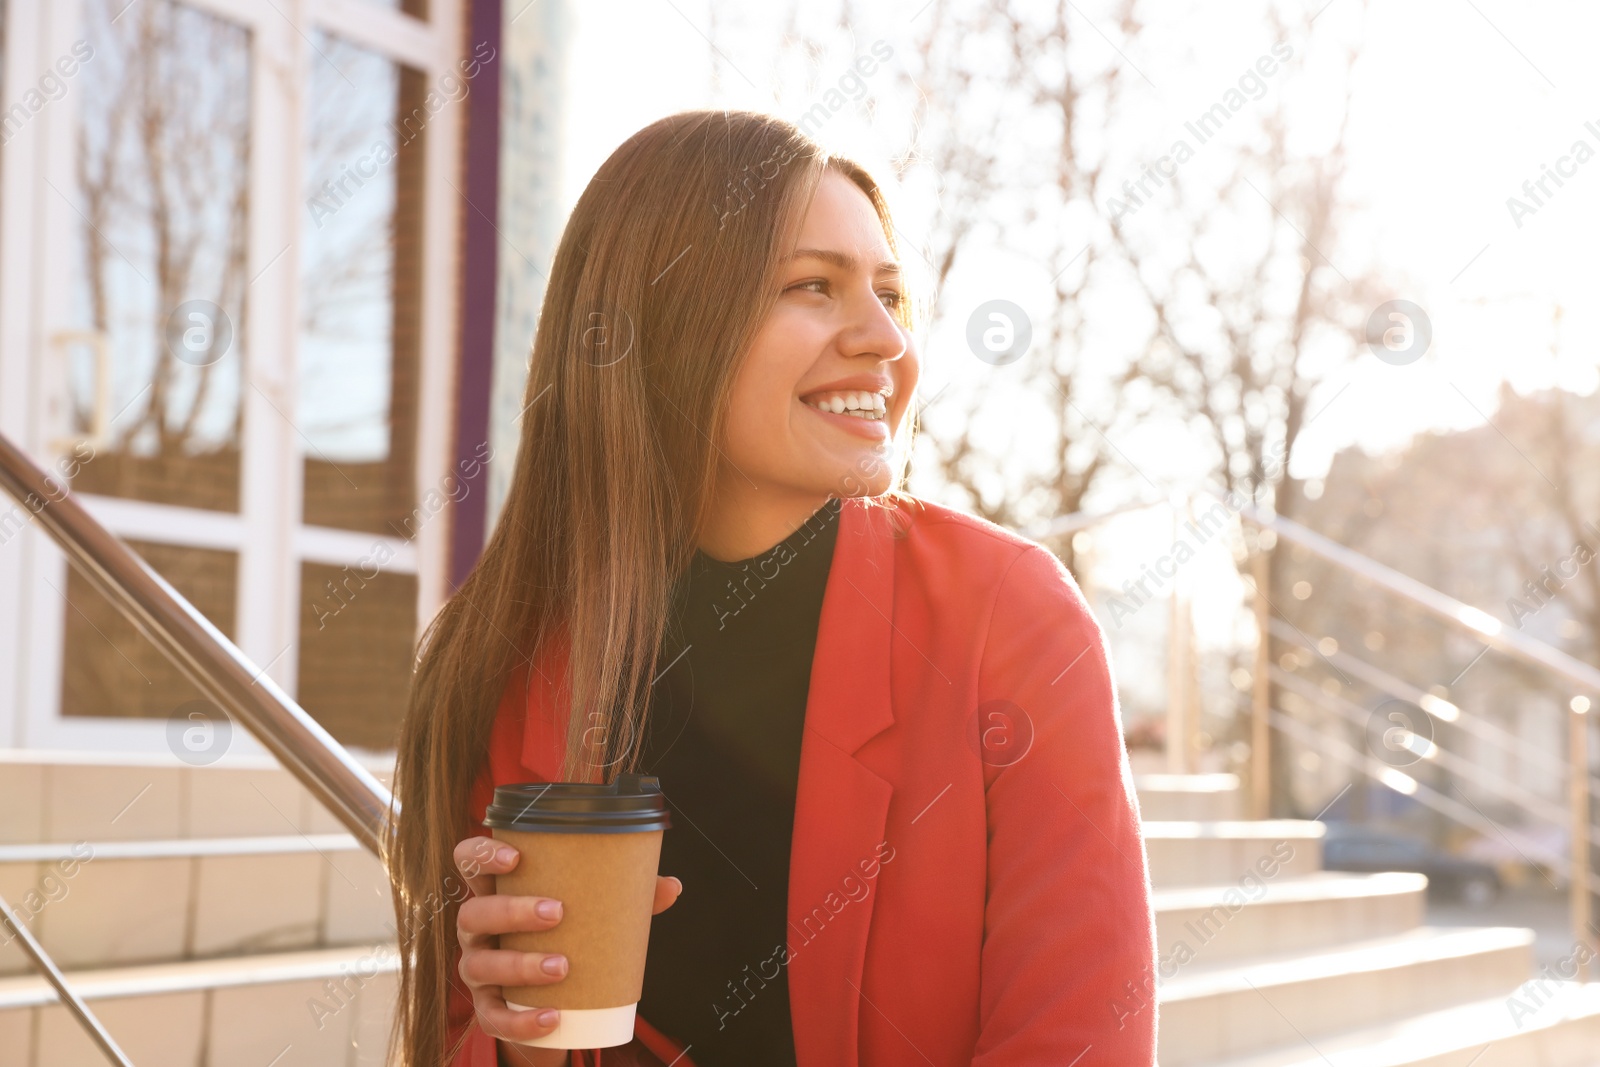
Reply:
x=892, y=298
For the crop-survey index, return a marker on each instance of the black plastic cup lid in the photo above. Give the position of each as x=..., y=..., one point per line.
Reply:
x=631, y=804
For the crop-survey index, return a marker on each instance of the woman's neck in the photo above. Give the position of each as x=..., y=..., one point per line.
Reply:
x=746, y=521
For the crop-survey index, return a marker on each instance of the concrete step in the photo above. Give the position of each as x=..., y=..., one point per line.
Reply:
x=1188, y=797
x=114, y=903
x=324, y=1008
x=1554, y=1025
x=1261, y=917
x=90, y=796
x=1223, y=853
x=1215, y=1012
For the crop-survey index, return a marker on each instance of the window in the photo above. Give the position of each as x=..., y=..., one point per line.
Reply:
x=233, y=234
x=359, y=283
x=159, y=278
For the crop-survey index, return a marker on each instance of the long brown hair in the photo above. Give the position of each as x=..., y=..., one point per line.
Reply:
x=667, y=267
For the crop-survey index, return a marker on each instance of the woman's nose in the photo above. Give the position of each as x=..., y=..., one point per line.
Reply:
x=879, y=333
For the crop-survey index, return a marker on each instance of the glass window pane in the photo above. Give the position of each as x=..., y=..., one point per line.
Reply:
x=361, y=282
x=110, y=669
x=159, y=278
x=356, y=631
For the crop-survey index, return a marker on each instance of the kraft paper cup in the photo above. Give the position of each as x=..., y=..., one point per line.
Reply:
x=597, y=849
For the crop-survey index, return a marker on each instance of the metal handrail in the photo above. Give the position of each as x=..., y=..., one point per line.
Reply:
x=1062, y=525
x=1479, y=623
x=1438, y=708
x=1425, y=794
x=1488, y=629
x=86, y=1018
x=1356, y=715
x=213, y=664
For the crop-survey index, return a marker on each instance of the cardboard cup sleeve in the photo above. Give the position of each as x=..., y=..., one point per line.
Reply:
x=605, y=877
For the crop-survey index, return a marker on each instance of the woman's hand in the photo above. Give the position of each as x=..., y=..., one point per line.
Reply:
x=486, y=968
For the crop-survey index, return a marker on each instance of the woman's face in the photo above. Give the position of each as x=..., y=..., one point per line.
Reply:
x=828, y=379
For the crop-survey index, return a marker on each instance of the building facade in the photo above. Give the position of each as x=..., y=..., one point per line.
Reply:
x=255, y=272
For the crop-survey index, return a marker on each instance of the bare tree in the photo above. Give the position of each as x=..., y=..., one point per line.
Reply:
x=1253, y=301
x=1252, y=314
x=977, y=73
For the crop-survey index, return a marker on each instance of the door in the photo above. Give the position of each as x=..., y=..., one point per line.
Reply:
x=224, y=330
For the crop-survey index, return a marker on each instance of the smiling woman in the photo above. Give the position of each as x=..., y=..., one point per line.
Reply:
x=834, y=341
x=747, y=448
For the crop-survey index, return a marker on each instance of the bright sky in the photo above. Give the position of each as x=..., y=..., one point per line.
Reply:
x=1458, y=103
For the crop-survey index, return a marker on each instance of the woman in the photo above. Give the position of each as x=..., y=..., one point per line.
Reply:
x=887, y=730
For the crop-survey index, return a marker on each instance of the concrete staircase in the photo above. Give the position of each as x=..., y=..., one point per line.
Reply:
x=1269, y=961
x=209, y=915
x=218, y=916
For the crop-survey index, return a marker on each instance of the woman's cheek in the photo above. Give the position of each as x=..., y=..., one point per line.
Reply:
x=744, y=442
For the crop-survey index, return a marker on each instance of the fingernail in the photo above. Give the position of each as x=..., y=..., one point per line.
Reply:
x=547, y=1018
x=548, y=909
x=505, y=855
x=554, y=965
x=675, y=878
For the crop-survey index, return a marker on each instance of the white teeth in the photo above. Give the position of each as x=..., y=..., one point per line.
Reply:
x=863, y=405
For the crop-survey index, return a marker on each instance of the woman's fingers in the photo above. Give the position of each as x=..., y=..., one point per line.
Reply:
x=667, y=890
x=483, y=918
x=479, y=859
x=507, y=1023
x=503, y=967
x=479, y=922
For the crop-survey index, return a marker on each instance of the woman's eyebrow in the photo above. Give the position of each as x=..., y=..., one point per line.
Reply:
x=841, y=260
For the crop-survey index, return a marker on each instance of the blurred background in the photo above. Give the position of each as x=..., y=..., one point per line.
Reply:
x=1273, y=320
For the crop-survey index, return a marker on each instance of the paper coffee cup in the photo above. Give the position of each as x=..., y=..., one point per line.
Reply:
x=597, y=849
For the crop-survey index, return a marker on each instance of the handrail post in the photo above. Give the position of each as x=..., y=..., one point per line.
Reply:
x=91, y=1024
x=1578, y=790
x=1180, y=733
x=1261, y=688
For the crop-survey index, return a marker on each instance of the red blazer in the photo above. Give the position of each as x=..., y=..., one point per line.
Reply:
x=967, y=885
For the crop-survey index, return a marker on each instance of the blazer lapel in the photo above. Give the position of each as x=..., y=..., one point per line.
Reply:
x=841, y=806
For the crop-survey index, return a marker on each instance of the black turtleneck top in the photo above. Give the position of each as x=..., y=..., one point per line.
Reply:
x=726, y=715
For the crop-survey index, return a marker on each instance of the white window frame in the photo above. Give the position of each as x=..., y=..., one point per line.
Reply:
x=267, y=533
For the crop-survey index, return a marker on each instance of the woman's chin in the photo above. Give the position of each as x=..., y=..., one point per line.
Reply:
x=867, y=474
x=866, y=470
